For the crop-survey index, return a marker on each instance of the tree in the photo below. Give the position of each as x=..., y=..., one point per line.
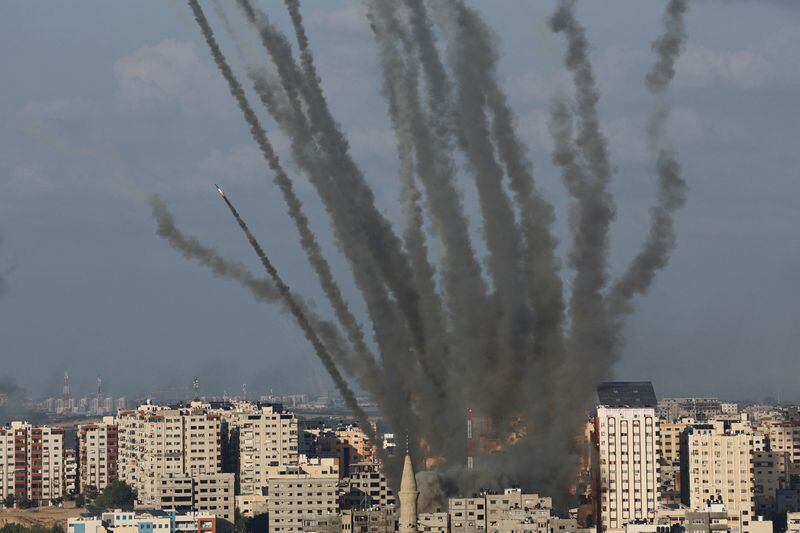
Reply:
x=90, y=492
x=80, y=500
x=117, y=494
x=23, y=502
x=8, y=501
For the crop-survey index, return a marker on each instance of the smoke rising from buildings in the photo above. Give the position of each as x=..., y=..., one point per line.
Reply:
x=512, y=345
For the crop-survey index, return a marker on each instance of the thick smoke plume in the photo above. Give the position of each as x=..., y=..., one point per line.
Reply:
x=508, y=343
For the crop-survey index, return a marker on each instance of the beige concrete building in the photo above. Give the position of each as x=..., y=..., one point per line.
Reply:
x=718, y=466
x=297, y=497
x=32, y=462
x=157, y=442
x=669, y=454
x=70, y=471
x=367, y=487
x=770, y=474
x=433, y=522
x=205, y=493
x=266, y=438
x=513, y=510
x=785, y=437
x=98, y=447
x=628, y=465
x=792, y=522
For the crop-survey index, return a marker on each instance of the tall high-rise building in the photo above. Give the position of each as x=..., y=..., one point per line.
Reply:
x=717, y=465
x=31, y=462
x=627, y=436
x=98, y=446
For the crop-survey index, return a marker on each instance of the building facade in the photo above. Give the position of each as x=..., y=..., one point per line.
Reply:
x=32, y=462
x=98, y=448
x=717, y=466
x=628, y=465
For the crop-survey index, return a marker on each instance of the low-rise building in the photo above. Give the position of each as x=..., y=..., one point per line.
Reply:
x=144, y=522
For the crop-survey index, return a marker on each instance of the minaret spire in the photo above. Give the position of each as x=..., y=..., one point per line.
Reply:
x=408, y=496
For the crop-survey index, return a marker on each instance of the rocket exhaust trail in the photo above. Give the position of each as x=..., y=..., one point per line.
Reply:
x=660, y=241
x=304, y=323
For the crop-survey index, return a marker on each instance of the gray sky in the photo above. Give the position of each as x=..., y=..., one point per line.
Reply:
x=104, y=103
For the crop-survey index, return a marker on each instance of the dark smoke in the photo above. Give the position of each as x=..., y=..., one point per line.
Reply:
x=509, y=344
x=661, y=239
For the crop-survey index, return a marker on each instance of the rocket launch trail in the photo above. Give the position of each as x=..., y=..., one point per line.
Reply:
x=497, y=336
x=302, y=321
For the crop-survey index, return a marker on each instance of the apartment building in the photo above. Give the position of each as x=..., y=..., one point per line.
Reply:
x=98, y=449
x=367, y=487
x=770, y=475
x=157, y=442
x=205, y=493
x=296, y=496
x=70, y=471
x=31, y=462
x=669, y=454
x=144, y=522
x=627, y=440
x=513, y=510
x=717, y=465
x=793, y=522
x=784, y=437
x=265, y=437
x=379, y=521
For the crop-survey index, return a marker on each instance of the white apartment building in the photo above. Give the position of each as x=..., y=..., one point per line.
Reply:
x=31, y=462
x=718, y=466
x=98, y=446
x=628, y=465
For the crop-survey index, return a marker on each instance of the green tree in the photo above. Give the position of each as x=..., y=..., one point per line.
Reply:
x=23, y=502
x=80, y=500
x=8, y=501
x=90, y=492
x=117, y=495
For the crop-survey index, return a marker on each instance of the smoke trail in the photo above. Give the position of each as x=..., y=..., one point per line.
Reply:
x=307, y=238
x=400, y=89
x=464, y=288
x=593, y=344
x=383, y=383
x=302, y=320
x=381, y=240
x=262, y=289
x=500, y=229
x=660, y=241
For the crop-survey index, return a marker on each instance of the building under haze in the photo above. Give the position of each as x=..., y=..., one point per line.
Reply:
x=98, y=447
x=156, y=442
x=627, y=441
x=31, y=462
x=717, y=466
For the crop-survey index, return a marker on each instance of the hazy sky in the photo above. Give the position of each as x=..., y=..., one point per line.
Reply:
x=103, y=103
